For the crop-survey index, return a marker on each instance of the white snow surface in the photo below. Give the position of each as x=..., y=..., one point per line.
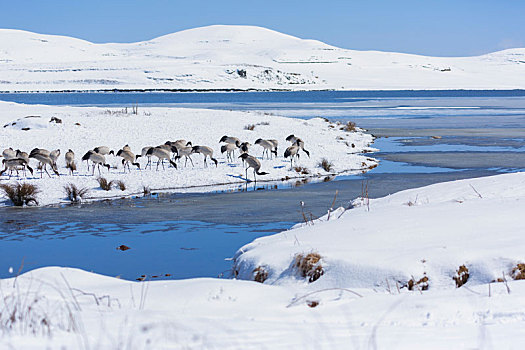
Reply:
x=114, y=127
x=476, y=222
x=214, y=57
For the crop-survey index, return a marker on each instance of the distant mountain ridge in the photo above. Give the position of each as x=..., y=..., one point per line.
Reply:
x=223, y=57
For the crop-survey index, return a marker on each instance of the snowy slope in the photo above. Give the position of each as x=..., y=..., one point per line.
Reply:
x=351, y=306
x=429, y=231
x=216, y=57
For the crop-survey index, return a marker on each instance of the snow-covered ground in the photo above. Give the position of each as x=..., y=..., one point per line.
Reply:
x=367, y=255
x=238, y=57
x=83, y=128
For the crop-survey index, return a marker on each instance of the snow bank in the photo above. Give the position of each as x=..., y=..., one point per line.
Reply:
x=474, y=222
x=83, y=128
x=429, y=231
x=238, y=57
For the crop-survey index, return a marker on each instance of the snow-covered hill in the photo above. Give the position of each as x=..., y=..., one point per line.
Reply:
x=238, y=57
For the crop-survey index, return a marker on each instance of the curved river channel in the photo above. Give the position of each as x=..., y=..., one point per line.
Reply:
x=195, y=235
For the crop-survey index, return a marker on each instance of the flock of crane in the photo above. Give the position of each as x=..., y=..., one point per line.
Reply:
x=16, y=160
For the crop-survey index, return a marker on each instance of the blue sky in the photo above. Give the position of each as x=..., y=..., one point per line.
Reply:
x=440, y=28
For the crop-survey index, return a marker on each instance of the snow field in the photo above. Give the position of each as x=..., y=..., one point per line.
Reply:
x=84, y=128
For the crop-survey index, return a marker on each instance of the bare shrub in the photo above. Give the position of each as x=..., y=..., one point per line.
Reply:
x=461, y=276
x=518, y=272
x=309, y=266
x=21, y=194
x=121, y=185
x=302, y=170
x=421, y=284
x=146, y=190
x=104, y=183
x=260, y=274
x=75, y=194
x=350, y=126
x=326, y=165
x=250, y=127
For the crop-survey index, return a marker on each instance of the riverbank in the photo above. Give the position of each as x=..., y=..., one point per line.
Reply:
x=362, y=297
x=84, y=128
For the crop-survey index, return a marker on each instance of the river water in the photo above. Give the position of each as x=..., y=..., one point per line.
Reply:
x=423, y=137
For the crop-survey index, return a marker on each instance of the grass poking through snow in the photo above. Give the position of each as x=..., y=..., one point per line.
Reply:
x=75, y=194
x=326, y=165
x=309, y=266
x=104, y=183
x=21, y=194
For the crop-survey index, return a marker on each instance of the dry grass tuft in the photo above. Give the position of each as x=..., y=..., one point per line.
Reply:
x=121, y=185
x=326, y=165
x=350, y=126
x=302, y=170
x=518, y=272
x=309, y=266
x=104, y=183
x=146, y=190
x=461, y=276
x=250, y=127
x=260, y=274
x=75, y=194
x=21, y=194
x=422, y=284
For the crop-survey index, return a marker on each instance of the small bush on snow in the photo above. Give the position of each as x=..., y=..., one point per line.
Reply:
x=518, y=272
x=309, y=266
x=21, y=194
x=461, y=276
x=260, y=274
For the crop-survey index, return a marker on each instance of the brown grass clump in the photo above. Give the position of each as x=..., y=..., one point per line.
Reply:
x=326, y=165
x=121, y=185
x=309, y=266
x=422, y=284
x=249, y=127
x=350, y=126
x=260, y=274
x=104, y=183
x=21, y=194
x=302, y=170
x=75, y=194
x=518, y=272
x=461, y=276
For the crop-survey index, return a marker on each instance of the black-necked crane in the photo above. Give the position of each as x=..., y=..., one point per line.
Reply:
x=268, y=147
x=23, y=155
x=229, y=139
x=44, y=160
x=16, y=164
x=54, y=155
x=161, y=153
x=207, y=152
x=9, y=153
x=103, y=150
x=292, y=151
x=297, y=141
x=97, y=159
x=184, y=152
x=70, y=161
x=253, y=163
x=179, y=143
x=127, y=157
x=229, y=148
x=144, y=153
x=245, y=147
